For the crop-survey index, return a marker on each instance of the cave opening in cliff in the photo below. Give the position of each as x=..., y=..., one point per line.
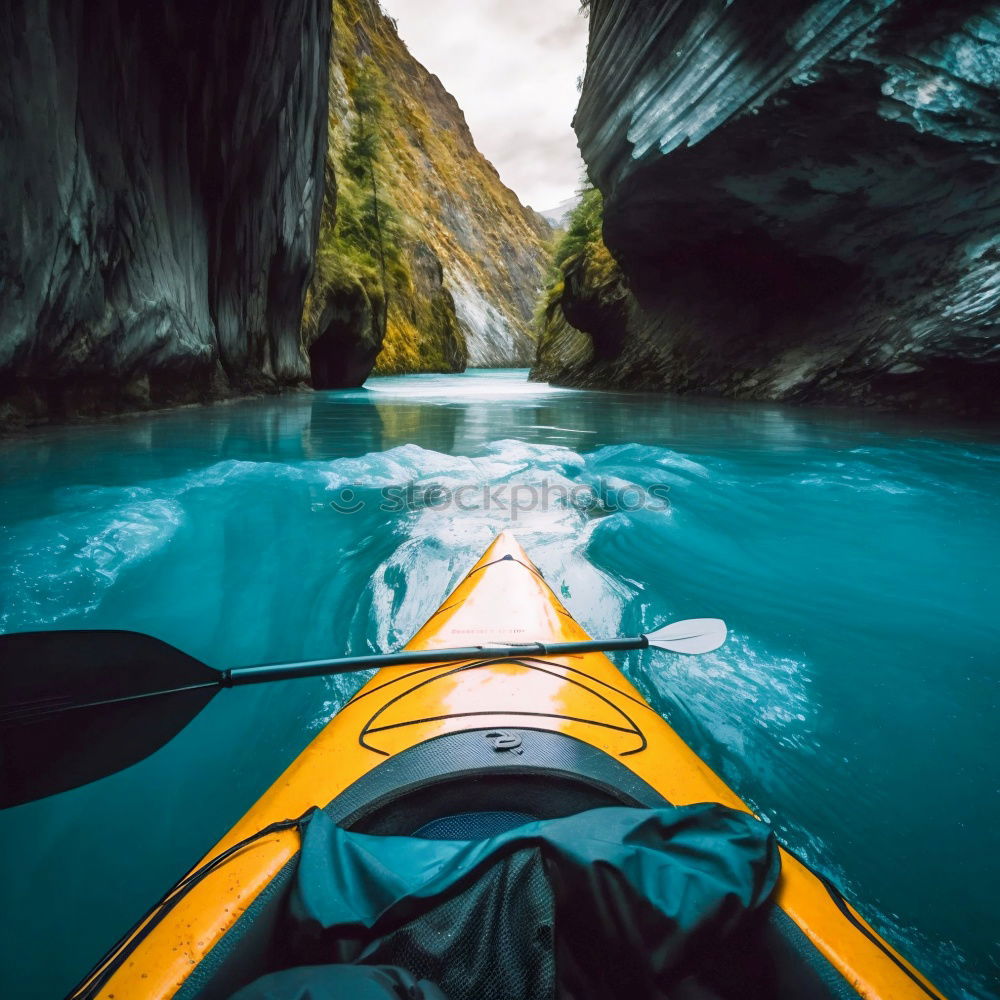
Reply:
x=340, y=357
x=328, y=361
x=323, y=363
x=745, y=289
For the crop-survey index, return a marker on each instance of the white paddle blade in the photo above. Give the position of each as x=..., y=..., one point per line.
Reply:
x=693, y=635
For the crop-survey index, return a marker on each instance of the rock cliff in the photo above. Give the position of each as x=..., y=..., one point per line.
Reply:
x=427, y=262
x=802, y=197
x=162, y=182
x=205, y=198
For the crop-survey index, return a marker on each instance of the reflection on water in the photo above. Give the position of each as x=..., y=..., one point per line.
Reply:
x=852, y=554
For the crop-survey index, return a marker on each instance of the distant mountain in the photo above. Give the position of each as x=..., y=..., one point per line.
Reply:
x=559, y=216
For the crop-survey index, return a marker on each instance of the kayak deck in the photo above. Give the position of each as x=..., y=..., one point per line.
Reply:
x=502, y=599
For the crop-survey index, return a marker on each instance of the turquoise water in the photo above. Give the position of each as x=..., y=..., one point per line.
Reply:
x=854, y=557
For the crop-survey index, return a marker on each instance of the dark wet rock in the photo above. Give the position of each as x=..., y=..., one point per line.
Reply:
x=162, y=181
x=349, y=335
x=803, y=198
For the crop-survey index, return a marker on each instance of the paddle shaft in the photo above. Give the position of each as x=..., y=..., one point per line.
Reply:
x=78, y=705
x=239, y=676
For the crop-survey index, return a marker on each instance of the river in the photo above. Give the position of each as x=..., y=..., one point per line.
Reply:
x=854, y=557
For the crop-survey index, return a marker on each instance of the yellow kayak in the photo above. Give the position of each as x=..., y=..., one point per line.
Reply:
x=520, y=735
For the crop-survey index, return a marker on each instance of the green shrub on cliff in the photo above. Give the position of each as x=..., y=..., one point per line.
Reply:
x=596, y=277
x=583, y=228
x=583, y=242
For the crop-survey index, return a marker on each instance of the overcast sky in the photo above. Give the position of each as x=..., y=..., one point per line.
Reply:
x=512, y=65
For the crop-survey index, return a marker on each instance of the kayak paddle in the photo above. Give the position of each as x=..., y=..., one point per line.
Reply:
x=76, y=706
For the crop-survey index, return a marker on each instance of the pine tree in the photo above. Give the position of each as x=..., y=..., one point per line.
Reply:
x=361, y=160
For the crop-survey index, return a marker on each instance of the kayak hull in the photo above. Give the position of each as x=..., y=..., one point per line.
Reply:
x=556, y=733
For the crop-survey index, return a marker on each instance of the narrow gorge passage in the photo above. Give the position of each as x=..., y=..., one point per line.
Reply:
x=689, y=308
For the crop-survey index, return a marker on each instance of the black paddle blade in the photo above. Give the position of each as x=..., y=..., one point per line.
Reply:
x=76, y=706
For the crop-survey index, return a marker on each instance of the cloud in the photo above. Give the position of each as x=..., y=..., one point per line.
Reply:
x=512, y=65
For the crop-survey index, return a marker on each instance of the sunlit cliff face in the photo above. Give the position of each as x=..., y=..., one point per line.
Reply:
x=448, y=273
x=514, y=67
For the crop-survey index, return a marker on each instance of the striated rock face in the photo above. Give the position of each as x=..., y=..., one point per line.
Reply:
x=448, y=272
x=162, y=174
x=804, y=198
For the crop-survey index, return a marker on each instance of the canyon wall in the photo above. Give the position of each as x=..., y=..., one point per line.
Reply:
x=162, y=183
x=427, y=261
x=204, y=199
x=802, y=199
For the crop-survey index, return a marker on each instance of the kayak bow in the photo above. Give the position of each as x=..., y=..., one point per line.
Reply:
x=519, y=732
